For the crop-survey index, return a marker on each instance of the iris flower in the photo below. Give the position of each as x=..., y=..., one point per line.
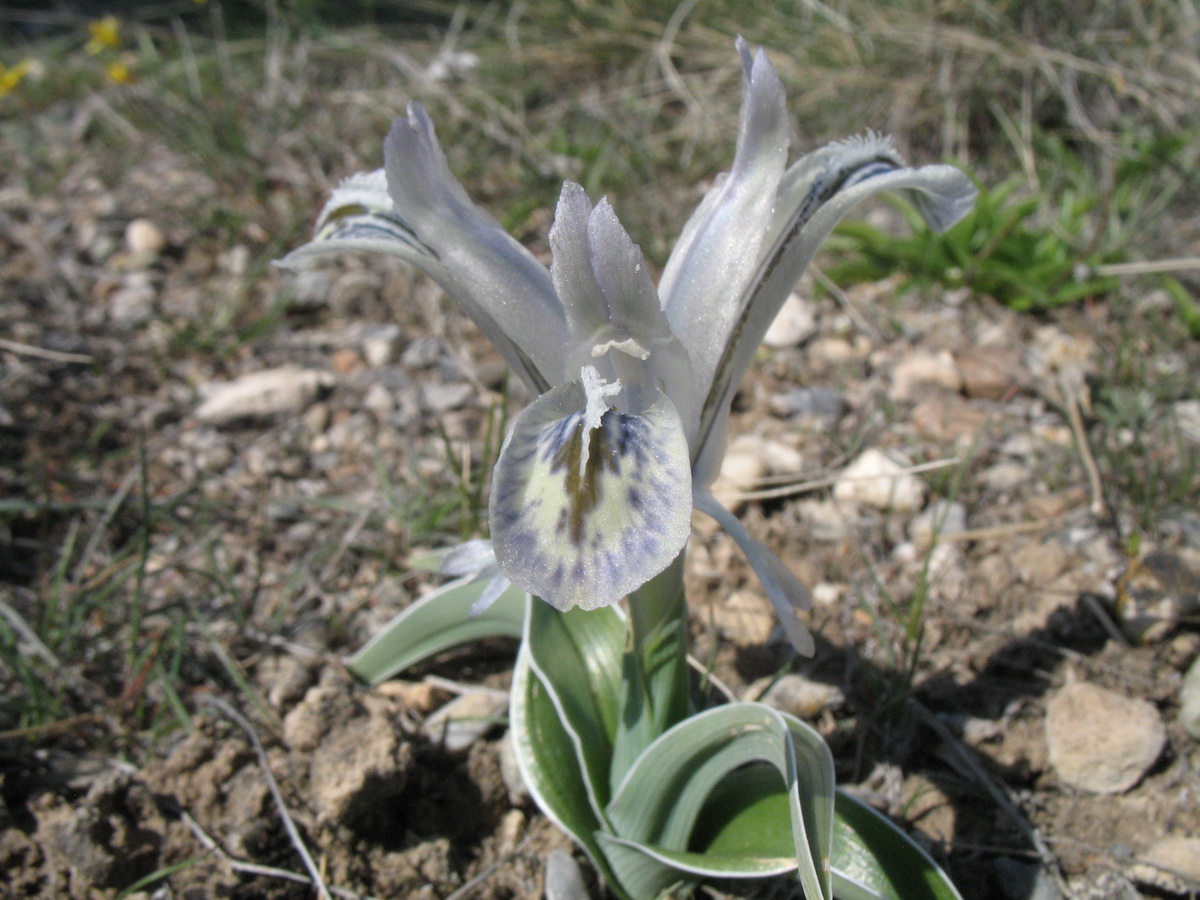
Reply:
x=594, y=487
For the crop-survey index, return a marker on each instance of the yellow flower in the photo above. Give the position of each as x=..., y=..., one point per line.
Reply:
x=10, y=78
x=105, y=33
x=119, y=72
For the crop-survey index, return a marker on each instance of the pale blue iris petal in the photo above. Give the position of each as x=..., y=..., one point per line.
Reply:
x=498, y=280
x=498, y=584
x=783, y=589
x=360, y=215
x=719, y=248
x=475, y=558
x=611, y=304
x=574, y=276
x=586, y=533
x=850, y=175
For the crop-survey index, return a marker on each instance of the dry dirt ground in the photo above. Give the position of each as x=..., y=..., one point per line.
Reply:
x=188, y=562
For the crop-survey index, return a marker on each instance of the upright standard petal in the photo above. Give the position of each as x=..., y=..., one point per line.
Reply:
x=718, y=250
x=591, y=502
x=611, y=304
x=819, y=195
x=499, y=281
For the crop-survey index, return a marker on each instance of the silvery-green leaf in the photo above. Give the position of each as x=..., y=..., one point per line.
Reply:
x=819, y=197
x=546, y=755
x=875, y=860
x=716, y=255
x=577, y=657
x=588, y=505
x=659, y=808
x=498, y=280
x=435, y=623
x=784, y=590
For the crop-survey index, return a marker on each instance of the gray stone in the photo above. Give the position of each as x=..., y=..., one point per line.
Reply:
x=1101, y=741
x=287, y=390
x=564, y=881
x=816, y=402
x=1189, y=700
x=876, y=480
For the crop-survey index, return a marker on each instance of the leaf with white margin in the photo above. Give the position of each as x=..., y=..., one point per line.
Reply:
x=577, y=655
x=658, y=806
x=435, y=623
x=875, y=860
x=580, y=515
x=547, y=756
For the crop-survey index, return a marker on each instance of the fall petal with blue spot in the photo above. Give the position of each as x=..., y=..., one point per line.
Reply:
x=594, y=487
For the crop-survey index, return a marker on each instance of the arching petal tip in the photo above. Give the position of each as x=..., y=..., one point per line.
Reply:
x=785, y=591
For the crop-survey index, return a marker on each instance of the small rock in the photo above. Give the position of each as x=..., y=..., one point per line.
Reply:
x=877, y=481
x=345, y=360
x=1100, y=741
x=745, y=618
x=1189, y=700
x=423, y=353
x=1005, y=476
x=144, y=237
x=941, y=519
x=465, y=719
x=271, y=392
x=285, y=679
x=440, y=398
x=309, y=289
x=1171, y=865
x=744, y=465
x=132, y=304
x=928, y=808
x=1020, y=880
x=826, y=520
x=795, y=323
x=1187, y=418
x=419, y=696
x=947, y=420
x=834, y=351
x=510, y=772
x=1101, y=883
x=564, y=881
x=826, y=594
x=988, y=373
x=824, y=403
x=802, y=697
x=379, y=345
x=920, y=371
x=379, y=399
x=361, y=767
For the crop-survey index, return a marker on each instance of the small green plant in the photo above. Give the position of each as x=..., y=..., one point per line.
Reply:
x=998, y=250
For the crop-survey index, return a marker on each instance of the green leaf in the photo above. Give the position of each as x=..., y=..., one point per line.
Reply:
x=434, y=624
x=547, y=755
x=658, y=806
x=875, y=860
x=577, y=657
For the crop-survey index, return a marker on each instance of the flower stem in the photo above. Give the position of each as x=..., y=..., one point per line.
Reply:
x=657, y=646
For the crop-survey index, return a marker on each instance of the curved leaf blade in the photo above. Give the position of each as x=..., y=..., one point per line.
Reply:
x=436, y=623
x=547, y=755
x=577, y=657
x=875, y=860
x=658, y=806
